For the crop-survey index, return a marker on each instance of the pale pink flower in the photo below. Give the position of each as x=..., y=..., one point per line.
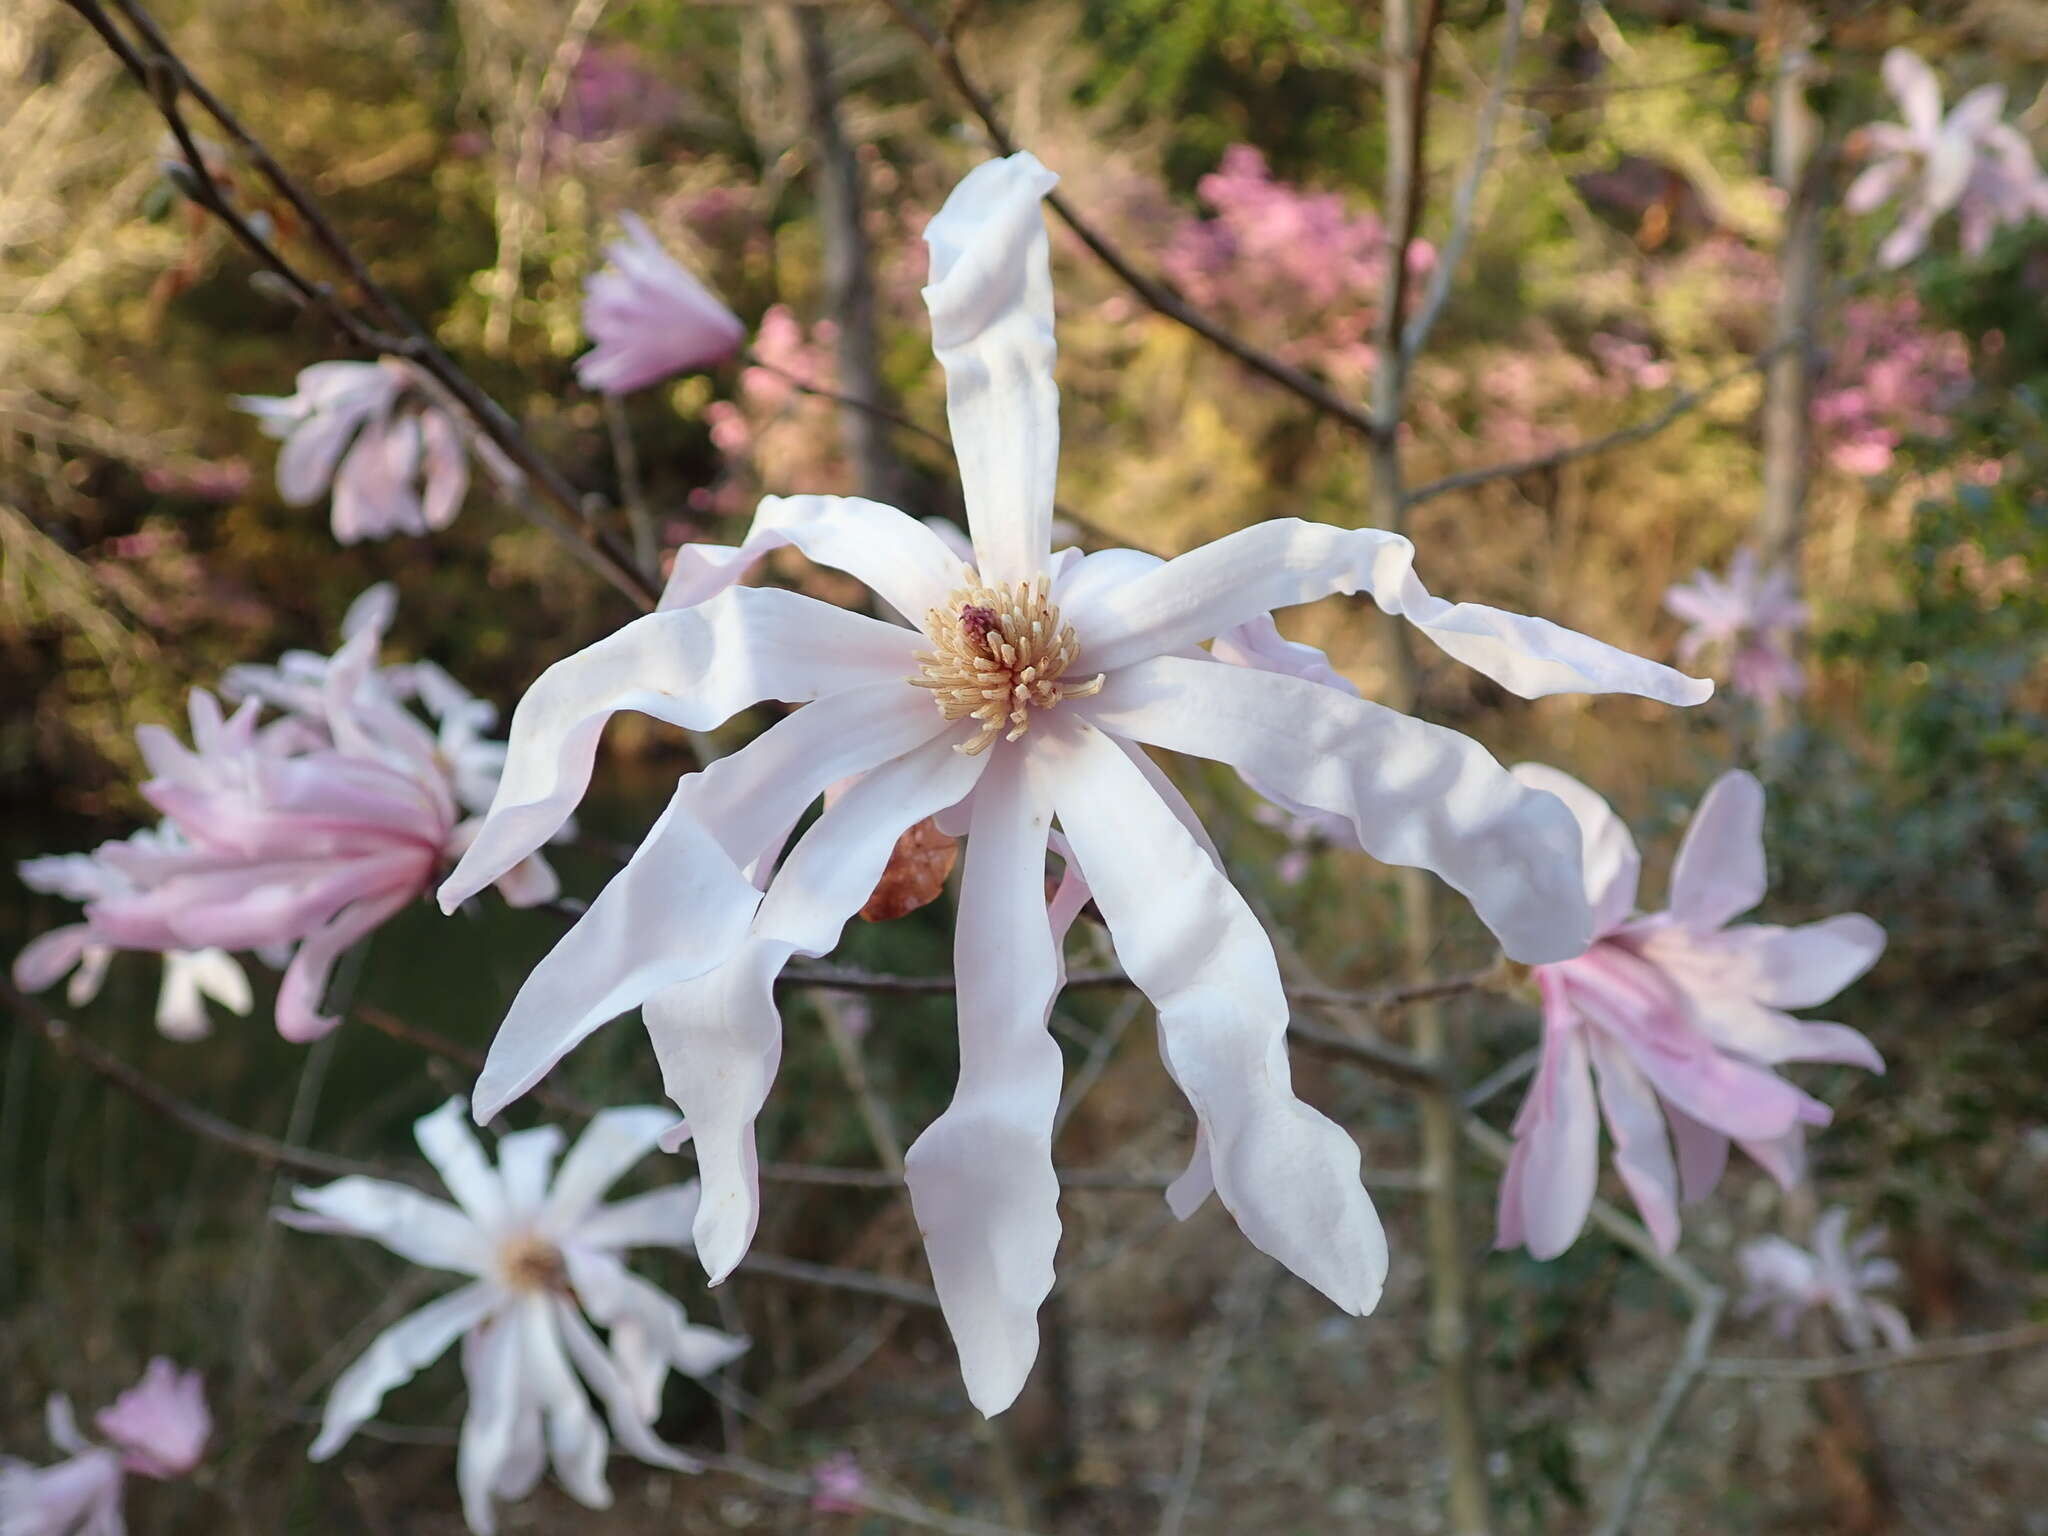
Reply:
x=381, y=440
x=1788, y=1281
x=1674, y=1022
x=1030, y=695
x=543, y=1259
x=838, y=1486
x=160, y=1425
x=1753, y=615
x=1969, y=162
x=649, y=318
x=298, y=836
x=158, y=1428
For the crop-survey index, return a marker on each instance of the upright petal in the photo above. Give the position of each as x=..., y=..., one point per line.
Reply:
x=1414, y=793
x=451, y=1146
x=525, y=1160
x=1284, y=561
x=990, y=298
x=1719, y=872
x=1917, y=92
x=693, y=667
x=981, y=1176
x=1287, y=1174
x=615, y=1140
x=1613, y=866
x=394, y=1357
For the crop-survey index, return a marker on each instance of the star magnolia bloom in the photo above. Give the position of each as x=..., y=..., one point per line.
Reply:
x=190, y=976
x=381, y=437
x=541, y=1255
x=1029, y=695
x=157, y=1428
x=649, y=318
x=1788, y=1280
x=300, y=836
x=1969, y=161
x=1676, y=1019
x=1755, y=614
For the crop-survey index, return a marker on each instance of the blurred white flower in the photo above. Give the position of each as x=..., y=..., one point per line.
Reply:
x=1789, y=1281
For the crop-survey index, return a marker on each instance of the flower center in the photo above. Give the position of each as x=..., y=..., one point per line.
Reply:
x=998, y=655
x=531, y=1264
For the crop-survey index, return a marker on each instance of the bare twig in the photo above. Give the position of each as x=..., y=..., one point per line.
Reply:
x=832, y=1277
x=1495, y=1084
x=1239, y=1310
x=67, y=1041
x=805, y=386
x=1155, y=294
x=1970, y=1346
x=1465, y=204
x=1671, y=1399
x=167, y=80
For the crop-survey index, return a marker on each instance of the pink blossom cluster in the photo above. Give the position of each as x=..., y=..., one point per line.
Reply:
x=158, y=1429
x=774, y=433
x=1296, y=268
x=296, y=835
x=1889, y=376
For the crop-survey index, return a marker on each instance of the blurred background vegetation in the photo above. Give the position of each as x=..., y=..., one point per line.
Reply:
x=1624, y=251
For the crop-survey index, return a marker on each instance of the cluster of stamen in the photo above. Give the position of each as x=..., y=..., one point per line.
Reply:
x=1000, y=653
x=531, y=1264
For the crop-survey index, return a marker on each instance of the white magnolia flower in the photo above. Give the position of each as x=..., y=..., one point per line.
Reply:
x=1029, y=696
x=1788, y=1281
x=540, y=1256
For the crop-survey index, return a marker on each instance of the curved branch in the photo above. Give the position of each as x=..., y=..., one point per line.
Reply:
x=1970, y=1346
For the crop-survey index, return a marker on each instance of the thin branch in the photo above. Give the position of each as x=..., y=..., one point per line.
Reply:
x=1671, y=1399
x=138, y=1085
x=1155, y=294
x=1240, y=1308
x=832, y=1277
x=880, y=412
x=166, y=78
x=1497, y=1083
x=1970, y=1346
x=1465, y=203
x=421, y=1038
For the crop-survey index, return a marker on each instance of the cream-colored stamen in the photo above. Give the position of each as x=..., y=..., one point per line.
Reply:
x=1000, y=654
x=532, y=1264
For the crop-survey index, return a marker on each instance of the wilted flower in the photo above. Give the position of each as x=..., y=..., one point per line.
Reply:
x=1969, y=161
x=296, y=837
x=1789, y=1280
x=1753, y=613
x=190, y=976
x=541, y=1253
x=158, y=1428
x=649, y=318
x=382, y=438
x=1030, y=694
x=1676, y=1020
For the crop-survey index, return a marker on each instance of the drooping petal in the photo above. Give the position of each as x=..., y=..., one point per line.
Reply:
x=1642, y=1151
x=394, y=1357
x=1558, y=1133
x=304, y=987
x=1284, y=561
x=981, y=1177
x=577, y=1443
x=598, y=1368
x=416, y=1227
x=894, y=555
x=612, y=1294
x=1414, y=793
x=1719, y=872
x=694, y=668
x=1702, y=1154
x=500, y=1405
x=446, y=461
x=1613, y=866
x=615, y=1140
x=1288, y=1175
x=990, y=298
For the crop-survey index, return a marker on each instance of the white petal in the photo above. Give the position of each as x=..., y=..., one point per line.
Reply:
x=1559, y=1136
x=577, y=1443
x=525, y=1158
x=60, y=1423
x=676, y=910
x=615, y=1140
x=1414, y=793
x=180, y=1010
x=499, y=1405
x=48, y=956
x=981, y=1176
x=990, y=298
x=1719, y=871
x=1801, y=967
x=416, y=1227
x=719, y=1040
x=614, y=1392
x=1613, y=866
x=1288, y=1175
x=451, y=1146
x=1642, y=1151
x=1285, y=561
x=894, y=555
x=695, y=668
x=394, y=1357
x=660, y=1218
x=1917, y=92
x=612, y=1294
x=1702, y=1154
